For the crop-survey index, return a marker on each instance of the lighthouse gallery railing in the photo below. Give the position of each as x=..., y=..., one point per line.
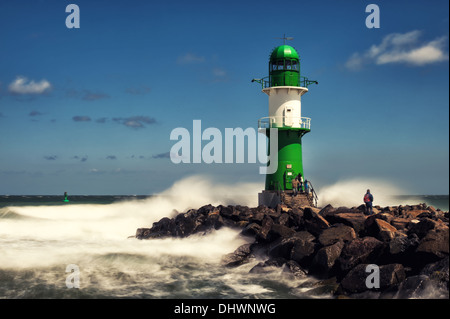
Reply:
x=283, y=121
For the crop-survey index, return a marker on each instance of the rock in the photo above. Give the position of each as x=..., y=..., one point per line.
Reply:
x=281, y=248
x=435, y=245
x=142, y=233
x=243, y=213
x=314, y=223
x=184, y=225
x=400, y=223
x=415, y=213
x=278, y=231
x=323, y=287
x=422, y=227
x=161, y=228
x=225, y=211
x=296, y=247
x=213, y=220
x=355, y=281
x=360, y=251
x=415, y=287
x=325, y=258
x=263, y=234
x=296, y=220
x=284, y=220
x=403, y=245
x=295, y=269
x=352, y=218
x=379, y=228
x=267, y=266
x=327, y=210
x=303, y=251
x=251, y=229
x=439, y=272
x=240, y=256
x=335, y=233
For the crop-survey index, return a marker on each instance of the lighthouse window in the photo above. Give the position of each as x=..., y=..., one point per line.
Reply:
x=294, y=65
x=288, y=64
x=280, y=65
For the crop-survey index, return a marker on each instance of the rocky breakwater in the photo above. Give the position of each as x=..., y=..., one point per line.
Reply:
x=398, y=252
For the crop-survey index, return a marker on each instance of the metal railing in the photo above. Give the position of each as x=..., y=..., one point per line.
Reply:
x=283, y=121
x=303, y=82
x=312, y=195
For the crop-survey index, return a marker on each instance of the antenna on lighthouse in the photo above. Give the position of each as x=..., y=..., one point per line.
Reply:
x=284, y=38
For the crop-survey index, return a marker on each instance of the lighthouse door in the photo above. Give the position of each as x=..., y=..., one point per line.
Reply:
x=288, y=177
x=288, y=116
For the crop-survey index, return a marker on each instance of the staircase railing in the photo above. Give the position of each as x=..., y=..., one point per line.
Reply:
x=312, y=196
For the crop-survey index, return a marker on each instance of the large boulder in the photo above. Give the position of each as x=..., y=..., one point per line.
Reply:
x=296, y=220
x=263, y=234
x=251, y=229
x=350, y=217
x=325, y=258
x=291, y=267
x=439, y=272
x=280, y=231
x=400, y=223
x=402, y=249
x=422, y=227
x=336, y=233
x=240, y=256
x=303, y=251
x=379, y=228
x=357, y=280
x=314, y=222
x=282, y=247
x=185, y=225
x=435, y=245
x=360, y=251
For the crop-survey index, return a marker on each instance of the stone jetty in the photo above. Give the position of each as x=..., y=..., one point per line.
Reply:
x=397, y=252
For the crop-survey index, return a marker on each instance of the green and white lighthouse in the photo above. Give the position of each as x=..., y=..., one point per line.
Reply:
x=284, y=86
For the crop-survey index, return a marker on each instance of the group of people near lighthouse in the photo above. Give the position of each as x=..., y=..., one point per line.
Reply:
x=299, y=185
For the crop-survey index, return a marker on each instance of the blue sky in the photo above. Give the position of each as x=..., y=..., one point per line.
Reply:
x=90, y=110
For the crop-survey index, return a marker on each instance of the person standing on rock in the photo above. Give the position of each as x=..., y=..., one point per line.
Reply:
x=368, y=200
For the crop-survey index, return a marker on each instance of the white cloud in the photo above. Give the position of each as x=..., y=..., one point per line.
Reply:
x=21, y=85
x=190, y=58
x=401, y=48
x=218, y=72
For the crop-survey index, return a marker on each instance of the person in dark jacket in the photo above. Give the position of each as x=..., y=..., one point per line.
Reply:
x=368, y=200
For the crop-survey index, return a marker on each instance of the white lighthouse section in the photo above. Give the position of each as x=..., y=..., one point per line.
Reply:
x=285, y=108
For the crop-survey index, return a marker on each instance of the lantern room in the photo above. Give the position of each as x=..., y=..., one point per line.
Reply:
x=284, y=67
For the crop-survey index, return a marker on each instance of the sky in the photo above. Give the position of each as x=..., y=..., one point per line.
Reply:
x=90, y=110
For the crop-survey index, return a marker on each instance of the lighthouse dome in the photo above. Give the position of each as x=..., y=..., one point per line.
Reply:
x=284, y=52
x=284, y=67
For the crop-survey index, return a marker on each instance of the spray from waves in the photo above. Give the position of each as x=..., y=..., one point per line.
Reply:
x=78, y=229
x=38, y=242
x=350, y=193
x=120, y=220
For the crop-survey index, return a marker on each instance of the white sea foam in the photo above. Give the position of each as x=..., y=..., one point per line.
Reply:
x=350, y=192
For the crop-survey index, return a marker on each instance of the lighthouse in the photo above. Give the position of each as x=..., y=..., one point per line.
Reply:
x=284, y=87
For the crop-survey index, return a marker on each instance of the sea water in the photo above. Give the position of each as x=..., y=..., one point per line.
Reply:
x=40, y=236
